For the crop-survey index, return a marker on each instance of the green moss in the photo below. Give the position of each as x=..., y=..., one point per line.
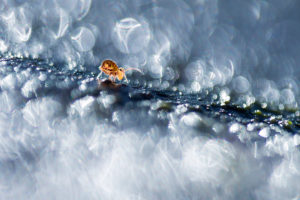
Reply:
x=165, y=106
x=258, y=112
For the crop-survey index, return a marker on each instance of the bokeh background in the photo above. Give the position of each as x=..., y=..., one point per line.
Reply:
x=249, y=46
x=250, y=49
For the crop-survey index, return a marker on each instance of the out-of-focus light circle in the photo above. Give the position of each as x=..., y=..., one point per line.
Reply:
x=287, y=96
x=3, y=46
x=195, y=71
x=57, y=22
x=241, y=84
x=18, y=24
x=82, y=9
x=67, y=4
x=83, y=39
x=196, y=87
x=130, y=35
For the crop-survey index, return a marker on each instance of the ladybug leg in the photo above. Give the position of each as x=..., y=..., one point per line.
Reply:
x=125, y=78
x=98, y=77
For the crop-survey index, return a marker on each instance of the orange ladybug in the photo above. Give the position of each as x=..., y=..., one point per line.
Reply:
x=110, y=68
